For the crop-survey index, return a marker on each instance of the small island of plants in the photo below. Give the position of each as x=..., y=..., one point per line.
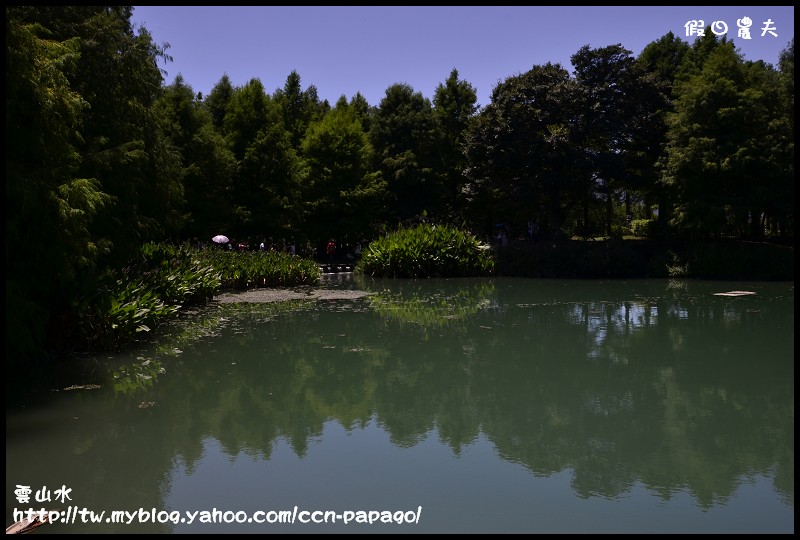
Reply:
x=425, y=251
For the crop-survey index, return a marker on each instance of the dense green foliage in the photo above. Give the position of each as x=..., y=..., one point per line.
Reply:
x=103, y=156
x=136, y=298
x=248, y=269
x=341, y=195
x=163, y=278
x=426, y=251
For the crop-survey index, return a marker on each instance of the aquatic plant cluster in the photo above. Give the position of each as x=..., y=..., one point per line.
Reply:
x=424, y=251
x=250, y=269
x=134, y=299
x=164, y=278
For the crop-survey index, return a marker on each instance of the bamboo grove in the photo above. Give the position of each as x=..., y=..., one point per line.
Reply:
x=685, y=140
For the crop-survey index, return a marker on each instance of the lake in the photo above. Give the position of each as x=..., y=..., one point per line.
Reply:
x=463, y=406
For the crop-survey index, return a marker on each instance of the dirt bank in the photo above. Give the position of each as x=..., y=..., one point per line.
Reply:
x=259, y=296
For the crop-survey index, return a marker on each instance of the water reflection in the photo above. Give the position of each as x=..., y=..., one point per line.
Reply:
x=624, y=391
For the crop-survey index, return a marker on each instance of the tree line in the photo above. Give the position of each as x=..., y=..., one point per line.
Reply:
x=102, y=155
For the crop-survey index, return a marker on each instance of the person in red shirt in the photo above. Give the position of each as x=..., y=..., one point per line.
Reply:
x=331, y=250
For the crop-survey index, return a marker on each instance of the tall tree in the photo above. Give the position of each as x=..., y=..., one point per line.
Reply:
x=523, y=156
x=217, y=102
x=249, y=111
x=120, y=79
x=716, y=147
x=300, y=107
x=265, y=187
x=783, y=223
x=619, y=107
x=118, y=76
x=364, y=110
x=786, y=66
x=764, y=159
x=342, y=196
x=207, y=165
x=403, y=135
x=662, y=59
x=49, y=210
x=455, y=104
x=129, y=186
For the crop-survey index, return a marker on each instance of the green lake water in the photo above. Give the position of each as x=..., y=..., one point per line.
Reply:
x=470, y=405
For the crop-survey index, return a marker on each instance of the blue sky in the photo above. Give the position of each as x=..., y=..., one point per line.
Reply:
x=349, y=49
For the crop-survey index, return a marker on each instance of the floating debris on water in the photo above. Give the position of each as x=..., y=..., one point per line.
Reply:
x=83, y=387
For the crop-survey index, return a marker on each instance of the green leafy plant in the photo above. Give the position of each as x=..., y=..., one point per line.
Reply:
x=426, y=251
x=137, y=377
x=250, y=269
x=643, y=227
x=119, y=311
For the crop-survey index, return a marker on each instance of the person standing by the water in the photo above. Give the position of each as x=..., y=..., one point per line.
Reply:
x=330, y=250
